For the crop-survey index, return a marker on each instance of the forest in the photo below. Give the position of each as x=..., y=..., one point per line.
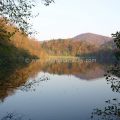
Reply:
x=67, y=47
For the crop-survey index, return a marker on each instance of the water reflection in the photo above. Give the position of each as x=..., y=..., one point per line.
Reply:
x=25, y=78
x=19, y=78
x=14, y=116
x=28, y=79
x=30, y=85
x=84, y=70
x=111, y=111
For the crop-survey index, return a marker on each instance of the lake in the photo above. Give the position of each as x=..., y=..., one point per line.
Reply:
x=60, y=91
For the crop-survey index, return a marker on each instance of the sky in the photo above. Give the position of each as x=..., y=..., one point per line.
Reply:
x=68, y=18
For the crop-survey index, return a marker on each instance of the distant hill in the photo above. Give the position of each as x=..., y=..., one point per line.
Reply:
x=92, y=38
x=81, y=44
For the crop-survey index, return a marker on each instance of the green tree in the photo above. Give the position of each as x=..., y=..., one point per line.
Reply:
x=116, y=38
x=19, y=12
x=114, y=70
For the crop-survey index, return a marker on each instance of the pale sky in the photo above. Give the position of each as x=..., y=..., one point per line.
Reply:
x=68, y=18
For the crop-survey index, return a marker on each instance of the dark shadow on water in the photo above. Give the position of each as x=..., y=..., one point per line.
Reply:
x=102, y=56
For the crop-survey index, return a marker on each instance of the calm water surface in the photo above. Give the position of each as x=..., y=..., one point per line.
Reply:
x=59, y=91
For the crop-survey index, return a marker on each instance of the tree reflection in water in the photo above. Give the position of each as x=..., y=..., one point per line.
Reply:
x=113, y=74
x=31, y=84
x=14, y=116
x=19, y=80
x=111, y=111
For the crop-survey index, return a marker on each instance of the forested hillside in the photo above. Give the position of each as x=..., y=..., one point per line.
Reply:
x=75, y=47
x=67, y=47
x=19, y=39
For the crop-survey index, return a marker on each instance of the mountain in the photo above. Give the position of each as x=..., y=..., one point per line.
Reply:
x=81, y=44
x=91, y=38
